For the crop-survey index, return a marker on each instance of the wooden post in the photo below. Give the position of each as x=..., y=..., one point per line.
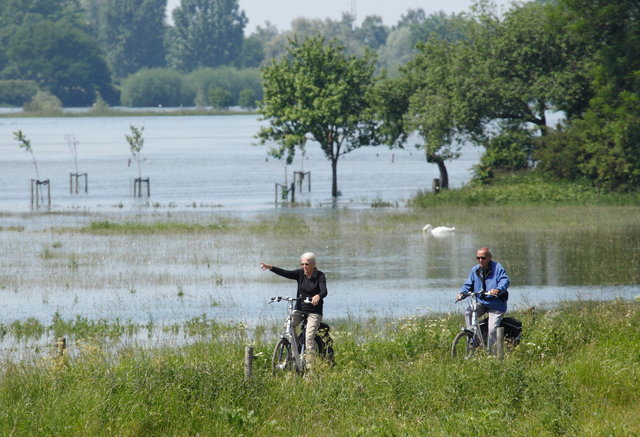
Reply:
x=299, y=176
x=61, y=345
x=248, y=362
x=435, y=186
x=500, y=342
x=36, y=192
x=137, y=187
x=282, y=191
x=74, y=177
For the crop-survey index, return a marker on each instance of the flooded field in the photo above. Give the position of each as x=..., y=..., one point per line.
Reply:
x=193, y=249
x=164, y=267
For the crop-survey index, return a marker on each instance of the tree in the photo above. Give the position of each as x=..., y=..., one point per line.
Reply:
x=47, y=41
x=61, y=58
x=136, y=142
x=319, y=93
x=494, y=87
x=131, y=33
x=25, y=144
x=609, y=128
x=206, y=33
x=372, y=33
x=253, y=51
x=420, y=100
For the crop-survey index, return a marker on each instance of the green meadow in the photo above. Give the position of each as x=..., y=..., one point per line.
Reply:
x=576, y=373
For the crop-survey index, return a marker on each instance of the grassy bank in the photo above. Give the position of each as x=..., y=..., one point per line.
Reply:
x=575, y=373
x=526, y=189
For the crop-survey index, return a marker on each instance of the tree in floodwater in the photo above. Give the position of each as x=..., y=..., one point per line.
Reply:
x=319, y=93
x=25, y=144
x=136, y=142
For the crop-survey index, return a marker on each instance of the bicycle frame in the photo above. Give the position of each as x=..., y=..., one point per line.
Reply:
x=472, y=337
x=288, y=353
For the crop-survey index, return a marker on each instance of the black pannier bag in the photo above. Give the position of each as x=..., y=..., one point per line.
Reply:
x=512, y=329
x=324, y=343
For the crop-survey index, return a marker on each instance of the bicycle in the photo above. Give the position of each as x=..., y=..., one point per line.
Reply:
x=288, y=353
x=468, y=341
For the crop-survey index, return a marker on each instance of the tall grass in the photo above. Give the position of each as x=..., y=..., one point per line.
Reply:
x=576, y=372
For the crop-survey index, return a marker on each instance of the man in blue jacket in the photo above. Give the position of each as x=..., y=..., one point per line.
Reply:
x=490, y=277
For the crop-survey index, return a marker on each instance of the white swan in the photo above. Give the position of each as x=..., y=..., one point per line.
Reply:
x=439, y=231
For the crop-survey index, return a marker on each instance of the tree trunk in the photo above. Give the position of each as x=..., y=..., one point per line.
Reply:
x=334, y=180
x=444, y=176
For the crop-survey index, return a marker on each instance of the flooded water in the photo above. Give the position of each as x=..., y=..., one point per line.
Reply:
x=206, y=169
x=209, y=161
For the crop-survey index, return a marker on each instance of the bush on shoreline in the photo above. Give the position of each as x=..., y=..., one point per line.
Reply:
x=525, y=189
x=575, y=373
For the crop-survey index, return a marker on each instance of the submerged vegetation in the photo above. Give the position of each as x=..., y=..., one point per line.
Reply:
x=109, y=227
x=576, y=372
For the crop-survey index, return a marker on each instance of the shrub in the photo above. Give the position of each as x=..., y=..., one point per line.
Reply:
x=220, y=98
x=17, y=92
x=247, y=98
x=559, y=154
x=507, y=152
x=230, y=79
x=156, y=87
x=43, y=101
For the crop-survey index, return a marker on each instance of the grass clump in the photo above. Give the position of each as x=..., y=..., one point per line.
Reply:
x=107, y=227
x=576, y=372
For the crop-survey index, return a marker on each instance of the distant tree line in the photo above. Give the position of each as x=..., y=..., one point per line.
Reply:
x=120, y=51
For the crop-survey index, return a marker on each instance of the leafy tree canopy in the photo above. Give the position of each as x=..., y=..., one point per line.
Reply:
x=319, y=93
x=130, y=32
x=61, y=58
x=206, y=33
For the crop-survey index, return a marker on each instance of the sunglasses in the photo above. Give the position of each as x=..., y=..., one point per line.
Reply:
x=481, y=257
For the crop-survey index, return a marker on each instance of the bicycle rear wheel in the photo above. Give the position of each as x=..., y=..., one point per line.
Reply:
x=463, y=345
x=282, y=359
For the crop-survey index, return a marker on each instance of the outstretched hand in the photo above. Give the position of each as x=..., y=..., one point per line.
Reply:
x=264, y=266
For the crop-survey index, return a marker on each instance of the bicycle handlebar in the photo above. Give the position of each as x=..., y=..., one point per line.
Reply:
x=289, y=299
x=475, y=293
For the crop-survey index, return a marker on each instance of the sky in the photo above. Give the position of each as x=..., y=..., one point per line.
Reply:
x=282, y=12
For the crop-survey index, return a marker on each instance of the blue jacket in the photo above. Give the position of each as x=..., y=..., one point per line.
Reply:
x=496, y=277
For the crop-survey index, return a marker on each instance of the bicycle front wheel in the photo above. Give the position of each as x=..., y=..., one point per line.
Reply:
x=282, y=359
x=463, y=345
